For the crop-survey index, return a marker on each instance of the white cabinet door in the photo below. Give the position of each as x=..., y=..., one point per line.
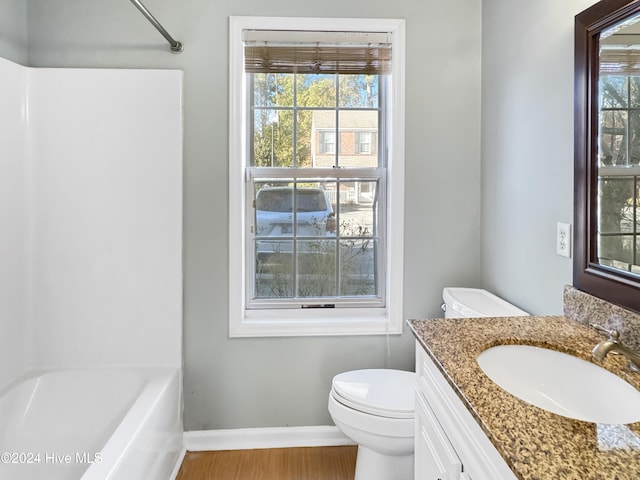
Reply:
x=464, y=436
x=435, y=458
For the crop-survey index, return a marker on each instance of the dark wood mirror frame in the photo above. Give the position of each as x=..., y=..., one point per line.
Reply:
x=612, y=285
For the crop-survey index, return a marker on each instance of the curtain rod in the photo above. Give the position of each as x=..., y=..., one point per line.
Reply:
x=176, y=46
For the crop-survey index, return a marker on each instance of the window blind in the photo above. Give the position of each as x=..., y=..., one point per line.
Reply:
x=619, y=62
x=317, y=52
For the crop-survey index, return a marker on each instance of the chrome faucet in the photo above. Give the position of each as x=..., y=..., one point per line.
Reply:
x=613, y=345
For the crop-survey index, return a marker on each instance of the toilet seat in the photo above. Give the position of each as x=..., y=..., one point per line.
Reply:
x=381, y=392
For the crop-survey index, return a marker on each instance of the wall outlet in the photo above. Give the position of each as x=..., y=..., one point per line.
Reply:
x=563, y=239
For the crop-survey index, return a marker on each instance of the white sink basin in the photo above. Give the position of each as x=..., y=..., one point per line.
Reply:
x=562, y=384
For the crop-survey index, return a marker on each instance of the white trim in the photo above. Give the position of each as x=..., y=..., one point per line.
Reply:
x=237, y=150
x=339, y=321
x=253, y=438
x=178, y=464
x=286, y=322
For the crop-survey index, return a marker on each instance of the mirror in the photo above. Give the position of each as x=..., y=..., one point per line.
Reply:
x=607, y=152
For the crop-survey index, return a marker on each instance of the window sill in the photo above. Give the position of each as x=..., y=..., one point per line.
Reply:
x=311, y=322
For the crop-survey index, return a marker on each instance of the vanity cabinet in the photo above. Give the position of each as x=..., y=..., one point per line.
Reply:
x=435, y=457
x=450, y=445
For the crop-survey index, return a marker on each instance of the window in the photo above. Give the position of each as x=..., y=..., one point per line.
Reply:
x=364, y=143
x=315, y=206
x=328, y=142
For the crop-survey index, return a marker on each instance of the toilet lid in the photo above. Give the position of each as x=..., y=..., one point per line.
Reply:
x=382, y=392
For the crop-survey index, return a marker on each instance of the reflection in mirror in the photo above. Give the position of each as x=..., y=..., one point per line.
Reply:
x=607, y=152
x=618, y=243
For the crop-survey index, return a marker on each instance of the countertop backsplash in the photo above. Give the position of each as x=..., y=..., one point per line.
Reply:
x=586, y=309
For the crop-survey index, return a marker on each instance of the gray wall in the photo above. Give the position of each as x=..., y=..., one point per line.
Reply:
x=527, y=148
x=278, y=382
x=13, y=30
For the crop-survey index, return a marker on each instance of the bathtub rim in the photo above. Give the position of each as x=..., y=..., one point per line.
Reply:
x=158, y=384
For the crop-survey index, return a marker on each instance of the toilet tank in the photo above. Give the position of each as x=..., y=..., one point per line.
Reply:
x=475, y=302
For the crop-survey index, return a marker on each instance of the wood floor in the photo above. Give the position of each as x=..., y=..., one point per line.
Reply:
x=306, y=463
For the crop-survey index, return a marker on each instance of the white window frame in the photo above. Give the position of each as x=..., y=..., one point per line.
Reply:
x=309, y=322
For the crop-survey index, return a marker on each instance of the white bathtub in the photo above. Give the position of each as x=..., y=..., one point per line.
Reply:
x=91, y=424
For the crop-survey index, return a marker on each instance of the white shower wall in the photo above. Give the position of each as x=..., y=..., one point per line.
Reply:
x=13, y=308
x=103, y=209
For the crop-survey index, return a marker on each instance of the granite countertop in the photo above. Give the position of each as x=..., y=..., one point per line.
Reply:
x=536, y=444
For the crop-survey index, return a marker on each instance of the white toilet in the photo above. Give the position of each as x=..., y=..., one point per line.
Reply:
x=375, y=408
x=475, y=302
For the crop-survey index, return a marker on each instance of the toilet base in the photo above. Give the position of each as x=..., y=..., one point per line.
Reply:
x=371, y=465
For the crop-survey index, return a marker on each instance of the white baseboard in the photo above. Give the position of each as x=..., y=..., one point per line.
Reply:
x=277, y=437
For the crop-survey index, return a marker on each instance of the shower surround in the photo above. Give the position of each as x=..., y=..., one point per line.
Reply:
x=91, y=222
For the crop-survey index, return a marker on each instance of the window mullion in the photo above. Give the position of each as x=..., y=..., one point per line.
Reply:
x=628, y=132
x=294, y=249
x=336, y=158
x=337, y=244
x=294, y=160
